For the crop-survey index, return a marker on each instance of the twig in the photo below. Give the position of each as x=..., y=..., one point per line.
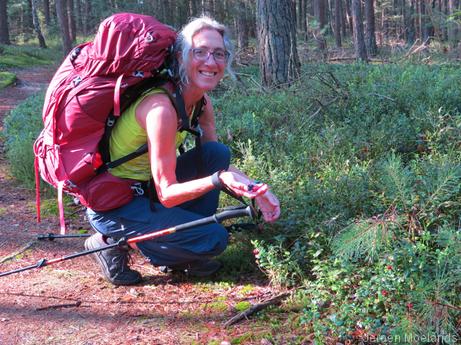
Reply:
x=20, y=251
x=255, y=308
x=449, y=306
x=417, y=49
x=57, y=306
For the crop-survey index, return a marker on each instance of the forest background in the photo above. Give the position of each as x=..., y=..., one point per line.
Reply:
x=350, y=110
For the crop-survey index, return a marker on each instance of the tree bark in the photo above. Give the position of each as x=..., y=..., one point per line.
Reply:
x=71, y=19
x=320, y=13
x=370, y=31
x=85, y=19
x=349, y=16
x=338, y=23
x=279, y=62
x=4, y=30
x=61, y=12
x=410, y=24
x=452, y=27
x=359, y=42
x=241, y=24
x=46, y=12
x=36, y=23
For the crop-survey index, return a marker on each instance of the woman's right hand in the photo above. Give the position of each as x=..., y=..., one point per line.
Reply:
x=241, y=185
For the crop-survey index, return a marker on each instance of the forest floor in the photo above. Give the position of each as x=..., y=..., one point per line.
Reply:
x=70, y=303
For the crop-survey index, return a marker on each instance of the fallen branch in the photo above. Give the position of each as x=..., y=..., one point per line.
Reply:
x=449, y=306
x=20, y=251
x=58, y=306
x=255, y=308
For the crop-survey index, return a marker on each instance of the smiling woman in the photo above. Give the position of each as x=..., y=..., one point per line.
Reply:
x=181, y=188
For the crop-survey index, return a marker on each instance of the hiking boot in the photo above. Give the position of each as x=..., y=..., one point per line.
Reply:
x=113, y=262
x=204, y=269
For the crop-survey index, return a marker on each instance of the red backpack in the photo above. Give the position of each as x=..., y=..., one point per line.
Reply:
x=127, y=49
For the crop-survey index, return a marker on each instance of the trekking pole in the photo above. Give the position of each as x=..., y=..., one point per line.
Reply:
x=216, y=218
x=50, y=236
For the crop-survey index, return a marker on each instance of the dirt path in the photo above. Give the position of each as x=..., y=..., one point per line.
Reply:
x=69, y=303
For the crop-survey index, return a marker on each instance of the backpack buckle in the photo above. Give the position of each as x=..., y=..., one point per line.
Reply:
x=137, y=189
x=76, y=80
x=149, y=38
x=138, y=74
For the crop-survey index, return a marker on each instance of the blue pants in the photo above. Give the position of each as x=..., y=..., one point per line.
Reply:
x=188, y=247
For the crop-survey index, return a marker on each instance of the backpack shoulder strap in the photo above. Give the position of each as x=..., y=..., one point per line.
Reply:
x=126, y=99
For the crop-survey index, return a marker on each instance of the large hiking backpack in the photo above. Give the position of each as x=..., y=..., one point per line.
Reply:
x=127, y=49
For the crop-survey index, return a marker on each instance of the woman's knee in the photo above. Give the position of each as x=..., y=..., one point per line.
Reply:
x=216, y=154
x=219, y=237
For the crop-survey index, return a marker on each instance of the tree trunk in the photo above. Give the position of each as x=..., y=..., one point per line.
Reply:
x=193, y=8
x=370, y=32
x=71, y=19
x=452, y=26
x=343, y=18
x=36, y=23
x=349, y=16
x=303, y=18
x=410, y=24
x=4, y=31
x=241, y=24
x=444, y=13
x=61, y=12
x=28, y=21
x=85, y=19
x=279, y=62
x=338, y=23
x=46, y=12
x=320, y=13
x=359, y=42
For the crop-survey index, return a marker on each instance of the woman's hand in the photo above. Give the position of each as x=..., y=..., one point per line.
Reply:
x=241, y=185
x=269, y=206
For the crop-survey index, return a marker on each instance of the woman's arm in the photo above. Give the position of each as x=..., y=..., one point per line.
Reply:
x=158, y=117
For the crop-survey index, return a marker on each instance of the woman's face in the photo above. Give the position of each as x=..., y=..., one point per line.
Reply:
x=204, y=71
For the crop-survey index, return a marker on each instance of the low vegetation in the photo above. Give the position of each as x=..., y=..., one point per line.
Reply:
x=14, y=56
x=366, y=162
x=6, y=79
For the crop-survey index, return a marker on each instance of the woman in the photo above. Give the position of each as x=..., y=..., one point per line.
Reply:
x=203, y=52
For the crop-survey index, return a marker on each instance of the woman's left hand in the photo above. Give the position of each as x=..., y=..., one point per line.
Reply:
x=269, y=206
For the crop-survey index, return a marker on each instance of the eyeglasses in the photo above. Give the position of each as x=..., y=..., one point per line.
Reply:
x=202, y=54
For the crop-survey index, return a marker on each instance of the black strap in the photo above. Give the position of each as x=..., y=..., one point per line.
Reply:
x=110, y=165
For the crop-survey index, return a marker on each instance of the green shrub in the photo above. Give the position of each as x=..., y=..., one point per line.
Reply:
x=21, y=128
x=365, y=160
x=6, y=79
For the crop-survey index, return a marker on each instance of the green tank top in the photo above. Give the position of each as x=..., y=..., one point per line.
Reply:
x=127, y=136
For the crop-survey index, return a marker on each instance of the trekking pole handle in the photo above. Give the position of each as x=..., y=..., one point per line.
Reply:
x=217, y=218
x=228, y=214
